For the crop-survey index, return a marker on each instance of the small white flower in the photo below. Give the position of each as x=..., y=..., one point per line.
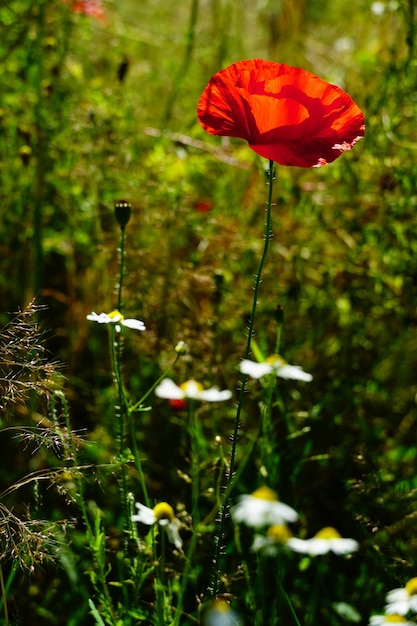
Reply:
x=274, y=364
x=389, y=620
x=163, y=514
x=326, y=540
x=115, y=317
x=220, y=613
x=277, y=538
x=191, y=389
x=262, y=508
x=402, y=600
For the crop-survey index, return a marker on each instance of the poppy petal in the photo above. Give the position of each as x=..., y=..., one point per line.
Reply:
x=286, y=114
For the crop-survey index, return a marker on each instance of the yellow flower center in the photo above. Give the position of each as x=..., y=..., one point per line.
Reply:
x=394, y=618
x=279, y=533
x=116, y=316
x=191, y=388
x=220, y=605
x=265, y=493
x=328, y=533
x=276, y=360
x=163, y=510
x=411, y=587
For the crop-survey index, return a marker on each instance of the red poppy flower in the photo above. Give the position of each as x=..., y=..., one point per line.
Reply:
x=92, y=8
x=286, y=114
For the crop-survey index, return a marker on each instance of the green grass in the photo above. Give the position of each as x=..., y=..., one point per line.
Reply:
x=77, y=137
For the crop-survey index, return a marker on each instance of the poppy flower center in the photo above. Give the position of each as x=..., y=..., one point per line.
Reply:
x=328, y=533
x=265, y=493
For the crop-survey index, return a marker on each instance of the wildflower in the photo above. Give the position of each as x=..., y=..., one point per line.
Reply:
x=274, y=364
x=262, y=508
x=220, y=613
x=162, y=514
x=277, y=538
x=326, y=540
x=203, y=206
x=91, y=8
x=192, y=390
x=388, y=620
x=116, y=318
x=285, y=113
x=181, y=348
x=403, y=599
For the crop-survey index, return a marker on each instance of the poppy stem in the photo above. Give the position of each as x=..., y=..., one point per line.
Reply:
x=224, y=511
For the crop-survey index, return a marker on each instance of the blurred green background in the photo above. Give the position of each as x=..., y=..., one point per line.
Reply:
x=94, y=111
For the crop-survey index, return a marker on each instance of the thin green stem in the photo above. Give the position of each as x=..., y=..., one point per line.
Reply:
x=195, y=491
x=121, y=412
x=122, y=270
x=138, y=404
x=267, y=440
x=160, y=579
x=137, y=407
x=287, y=599
x=225, y=505
x=4, y=596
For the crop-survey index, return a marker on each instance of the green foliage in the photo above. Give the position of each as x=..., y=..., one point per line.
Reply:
x=94, y=112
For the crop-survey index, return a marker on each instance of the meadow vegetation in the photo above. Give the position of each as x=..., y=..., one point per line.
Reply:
x=95, y=111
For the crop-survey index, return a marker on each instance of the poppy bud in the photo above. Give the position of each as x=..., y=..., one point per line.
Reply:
x=123, y=211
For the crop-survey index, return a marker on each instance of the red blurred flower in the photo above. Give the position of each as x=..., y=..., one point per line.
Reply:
x=285, y=113
x=92, y=8
x=178, y=404
x=203, y=206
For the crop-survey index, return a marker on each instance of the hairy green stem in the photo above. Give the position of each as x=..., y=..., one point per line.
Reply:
x=229, y=480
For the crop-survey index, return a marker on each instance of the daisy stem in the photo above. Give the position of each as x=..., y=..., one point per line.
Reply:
x=120, y=410
x=116, y=351
x=267, y=456
x=195, y=490
x=160, y=579
x=122, y=269
x=195, y=464
x=230, y=475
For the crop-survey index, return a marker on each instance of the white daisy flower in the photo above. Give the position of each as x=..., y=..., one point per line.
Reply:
x=274, y=364
x=403, y=599
x=115, y=317
x=192, y=390
x=162, y=514
x=326, y=540
x=262, y=508
x=220, y=613
x=389, y=620
x=277, y=538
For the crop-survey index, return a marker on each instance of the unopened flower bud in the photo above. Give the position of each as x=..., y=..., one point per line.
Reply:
x=123, y=211
x=181, y=348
